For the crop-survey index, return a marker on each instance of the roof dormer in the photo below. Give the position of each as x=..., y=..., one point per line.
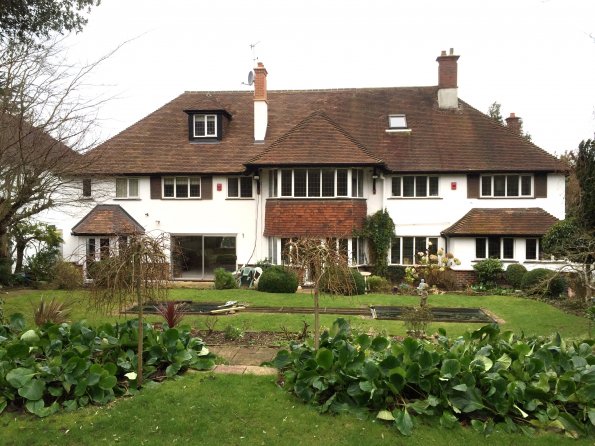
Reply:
x=207, y=125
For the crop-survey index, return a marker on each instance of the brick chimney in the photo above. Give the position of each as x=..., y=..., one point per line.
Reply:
x=513, y=122
x=260, y=103
x=447, y=80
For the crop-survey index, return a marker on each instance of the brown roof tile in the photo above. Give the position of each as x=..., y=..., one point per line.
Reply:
x=314, y=141
x=519, y=222
x=461, y=140
x=313, y=218
x=107, y=219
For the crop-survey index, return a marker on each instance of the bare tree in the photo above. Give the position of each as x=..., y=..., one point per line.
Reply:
x=46, y=124
x=326, y=267
x=136, y=271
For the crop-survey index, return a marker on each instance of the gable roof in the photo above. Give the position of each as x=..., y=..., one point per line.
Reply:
x=317, y=140
x=460, y=140
x=107, y=219
x=506, y=221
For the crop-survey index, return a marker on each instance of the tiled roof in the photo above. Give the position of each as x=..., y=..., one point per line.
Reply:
x=314, y=141
x=519, y=222
x=107, y=219
x=314, y=218
x=461, y=140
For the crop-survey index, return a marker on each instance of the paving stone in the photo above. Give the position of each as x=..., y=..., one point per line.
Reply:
x=260, y=371
x=230, y=369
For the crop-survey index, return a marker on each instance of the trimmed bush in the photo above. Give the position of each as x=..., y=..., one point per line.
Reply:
x=353, y=284
x=395, y=274
x=543, y=281
x=377, y=284
x=488, y=271
x=278, y=279
x=224, y=280
x=67, y=276
x=514, y=275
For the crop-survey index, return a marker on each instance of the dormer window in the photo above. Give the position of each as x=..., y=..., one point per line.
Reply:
x=397, y=122
x=205, y=126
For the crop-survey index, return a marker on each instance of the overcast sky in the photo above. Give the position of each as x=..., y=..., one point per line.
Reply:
x=535, y=57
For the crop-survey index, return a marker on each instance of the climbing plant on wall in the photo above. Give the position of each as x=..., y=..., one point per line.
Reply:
x=379, y=229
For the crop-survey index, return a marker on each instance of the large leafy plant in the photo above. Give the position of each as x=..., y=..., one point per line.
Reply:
x=485, y=378
x=69, y=366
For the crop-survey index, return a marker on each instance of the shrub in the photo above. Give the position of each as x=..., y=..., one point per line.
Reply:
x=416, y=319
x=224, y=280
x=278, y=279
x=543, y=281
x=53, y=312
x=514, y=275
x=172, y=312
x=70, y=366
x=488, y=271
x=67, y=276
x=233, y=333
x=41, y=266
x=377, y=284
x=352, y=284
x=478, y=378
x=395, y=274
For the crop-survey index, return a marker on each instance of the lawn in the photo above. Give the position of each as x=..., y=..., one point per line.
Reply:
x=228, y=409
x=519, y=314
x=202, y=408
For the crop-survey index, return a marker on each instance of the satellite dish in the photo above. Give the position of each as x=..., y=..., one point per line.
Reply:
x=250, y=77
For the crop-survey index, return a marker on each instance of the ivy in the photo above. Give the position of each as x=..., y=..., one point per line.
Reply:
x=379, y=229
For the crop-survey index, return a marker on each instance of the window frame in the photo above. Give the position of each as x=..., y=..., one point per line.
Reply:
x=241, y=181
x=536, y=241
x=175, y=187
x=406, y=186
x=489, y=245
x=128, y=195
x=399, y=118
x=315, y=183
x=431, y=245
x=506, y=187
x=205, y=117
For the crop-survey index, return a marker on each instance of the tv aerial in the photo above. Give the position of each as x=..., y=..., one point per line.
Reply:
x=254, y=59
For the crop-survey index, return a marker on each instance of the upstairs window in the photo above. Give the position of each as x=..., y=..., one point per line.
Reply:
x=205, y=126
x=397, y=122
x=239, y=187
x=127, y=188
x=87, y=188
x=316, y=183
x=418, y=186
x=181, y=187
x=507, y=185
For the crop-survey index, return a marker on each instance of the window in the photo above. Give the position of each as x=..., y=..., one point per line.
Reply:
x=507, y=185
x=181, y=187
x=87, y=188
x=314, y=183
x=239, y=187
x=494, y=248
x=97, y=248
x=358, y=255
x=531, y=249
x=397, y=122
x=126, y=187
x=205, y=126
x=405, y=250
x=357, y=183
x=273, y=250
x=414, y=186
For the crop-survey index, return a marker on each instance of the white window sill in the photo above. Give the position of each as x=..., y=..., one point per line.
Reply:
x=414, y=198
x=181, y=199
x=127, y=199
x=524, y=197
x=240, y=198
x=398, y=130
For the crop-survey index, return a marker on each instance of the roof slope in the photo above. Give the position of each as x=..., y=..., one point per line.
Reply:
x=506, y=221
x=460, y=140
x=316, y=140
x=107, y=219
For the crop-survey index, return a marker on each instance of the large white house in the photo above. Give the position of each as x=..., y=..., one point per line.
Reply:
x=232, y=175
